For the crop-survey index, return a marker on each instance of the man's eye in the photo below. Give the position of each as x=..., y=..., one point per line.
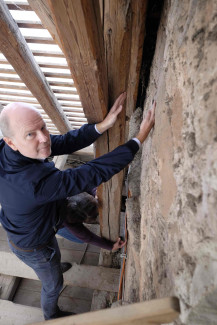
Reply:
x=29, y=135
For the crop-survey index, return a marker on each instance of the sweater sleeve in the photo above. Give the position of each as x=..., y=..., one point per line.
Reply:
x=56, y=184
x=73, y=140
x=85, y=235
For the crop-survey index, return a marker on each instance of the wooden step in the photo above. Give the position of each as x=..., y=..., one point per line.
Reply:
x=85, y=276
x=158, y=311
x=16, y=314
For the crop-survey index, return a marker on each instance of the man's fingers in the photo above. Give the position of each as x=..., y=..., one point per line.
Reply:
x=119, y=109
x=119, y=101
x=148, y=116
x=153, y=110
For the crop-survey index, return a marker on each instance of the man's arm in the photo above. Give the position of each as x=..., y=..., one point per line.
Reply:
x=78, y=139
x=73, y=140
x=57, y=184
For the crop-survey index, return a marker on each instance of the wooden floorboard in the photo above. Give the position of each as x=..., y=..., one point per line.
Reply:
x=85, y=276
x=16, y=314
x=66, y=303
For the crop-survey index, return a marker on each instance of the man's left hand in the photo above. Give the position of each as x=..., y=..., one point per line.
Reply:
x=111, y=118
x=118, y=244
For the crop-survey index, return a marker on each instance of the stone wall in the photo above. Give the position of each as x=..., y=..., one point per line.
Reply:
x=174, y=199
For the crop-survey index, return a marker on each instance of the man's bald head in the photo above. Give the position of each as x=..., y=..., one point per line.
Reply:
x=25, y=131
x=9, y=115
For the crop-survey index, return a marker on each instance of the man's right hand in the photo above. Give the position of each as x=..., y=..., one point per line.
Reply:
x=147, y=124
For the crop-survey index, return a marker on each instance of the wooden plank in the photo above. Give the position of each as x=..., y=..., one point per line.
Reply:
x=29, y=24
x=122, y=21
x=43, y=11
x=33, y=299
x=17, y=52
x=32, y=100
x=8, y=286
x=35, y=285
x=46, y=54
x=156, y=311
x=57, y=75
x=44, y=65
x=10, y=79
x=75, y=299
x=13, y=93
x=85, y=276
x=21, y=94
x=13, y=99
x=53, y=65
x=61, y=83
x=12, y=314
x=39, y=40
x=47, y=74
x=21, y=6
x=79, y=29
x=62, y=91
x=8, y=71
x=10, y=86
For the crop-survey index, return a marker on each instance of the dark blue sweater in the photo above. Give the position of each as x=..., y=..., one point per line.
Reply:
x=31, y=191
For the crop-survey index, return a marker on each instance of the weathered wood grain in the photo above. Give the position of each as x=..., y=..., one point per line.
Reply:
x=85, y=276
x=79, y=28
x=124, y=31
x=156, y=311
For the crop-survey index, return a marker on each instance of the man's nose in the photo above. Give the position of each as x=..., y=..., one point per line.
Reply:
x=42, y=137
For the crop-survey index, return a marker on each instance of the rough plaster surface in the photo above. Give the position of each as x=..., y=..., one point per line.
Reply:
x=175, y=203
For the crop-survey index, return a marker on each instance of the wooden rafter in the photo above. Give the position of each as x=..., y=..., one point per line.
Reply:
x=15, y=49
x=79, y=27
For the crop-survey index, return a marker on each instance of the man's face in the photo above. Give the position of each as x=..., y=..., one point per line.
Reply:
x=30, y=135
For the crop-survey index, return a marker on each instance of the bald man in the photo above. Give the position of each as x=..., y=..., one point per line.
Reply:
x=32, y=190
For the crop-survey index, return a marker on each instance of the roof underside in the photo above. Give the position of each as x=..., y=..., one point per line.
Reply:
x=52, y=63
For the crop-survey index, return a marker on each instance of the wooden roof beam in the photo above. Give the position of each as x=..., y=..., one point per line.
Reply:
x=158, y=311
x=79, y=27
x=43, y=11
x=124, y=33
x=17, y=52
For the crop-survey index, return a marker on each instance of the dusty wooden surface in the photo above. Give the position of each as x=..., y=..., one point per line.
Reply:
x=124, y=31
x=86, y=276
x=18, y=314
x=8, y=286
x=74, y=299
x=149, y=312
x=79, y=27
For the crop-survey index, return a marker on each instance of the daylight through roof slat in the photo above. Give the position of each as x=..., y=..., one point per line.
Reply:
x=52, y=63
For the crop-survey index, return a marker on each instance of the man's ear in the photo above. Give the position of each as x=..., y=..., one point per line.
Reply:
x=10, y=143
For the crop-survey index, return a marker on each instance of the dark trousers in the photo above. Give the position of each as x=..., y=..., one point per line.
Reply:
x=46, y=264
